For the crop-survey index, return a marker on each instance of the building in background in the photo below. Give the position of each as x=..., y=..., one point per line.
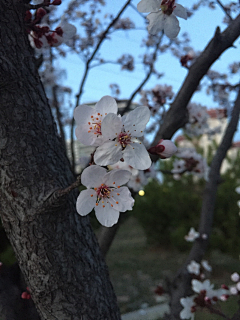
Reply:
x=217, y=122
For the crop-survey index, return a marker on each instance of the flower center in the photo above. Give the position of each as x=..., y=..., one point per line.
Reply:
x=95, y=125
x=167, y=6
x=103, y=192
x=124, y=139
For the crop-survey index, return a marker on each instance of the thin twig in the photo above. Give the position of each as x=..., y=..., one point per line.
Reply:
x=149, y=73
x=216, y=311
x=225, y=9
x=74, y=185
x=87, y=66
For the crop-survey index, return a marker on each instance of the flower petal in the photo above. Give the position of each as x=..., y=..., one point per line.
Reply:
x=86, y=201
x=69, y=30
x=106, y=215
x=156, y=22
x=106, y=105
x=108, y=153
x=93, y=176
x=137, y=156
x=111, y=126
x=121, y=199
x=136, y=120
x=85, y=137
x=82, y=114
x=180, y=11
x=171, y=26
x=148, y=5
x=117, y=177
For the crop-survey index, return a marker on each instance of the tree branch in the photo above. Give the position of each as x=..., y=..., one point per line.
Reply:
x=180, y=286
x=176, y=117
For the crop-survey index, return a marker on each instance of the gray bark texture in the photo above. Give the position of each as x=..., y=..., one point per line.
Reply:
x=56, y=249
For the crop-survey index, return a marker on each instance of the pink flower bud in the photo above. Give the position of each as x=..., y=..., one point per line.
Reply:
x=26, y=295
x=56, y=2
x=40, y=13
x=28, y=16
x=164, y=148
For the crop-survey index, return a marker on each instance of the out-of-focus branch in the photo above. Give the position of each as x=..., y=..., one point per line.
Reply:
x=84, y=78
x=224, y=9
x=180, y=286
x=148, y=75
x=176, y=117
x=107, y=235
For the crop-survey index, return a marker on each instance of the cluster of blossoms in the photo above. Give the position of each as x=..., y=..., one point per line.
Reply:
x=205, y=296
x=193, y=235
x=188, y=58
x=197, y=121
x=163, y=16
x=191, y=162
x=197, y=269
x=40, y=34
x=157, y=97
x=117, y=140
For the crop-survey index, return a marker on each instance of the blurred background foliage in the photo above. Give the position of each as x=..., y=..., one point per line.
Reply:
x=171, y=207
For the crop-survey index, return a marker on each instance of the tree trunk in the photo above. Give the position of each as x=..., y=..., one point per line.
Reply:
x=55, y=247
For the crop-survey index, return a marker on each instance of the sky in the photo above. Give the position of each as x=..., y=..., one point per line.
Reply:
x=200, y=27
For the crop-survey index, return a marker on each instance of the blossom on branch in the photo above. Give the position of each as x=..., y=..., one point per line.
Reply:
x=122, y=134
x=104, y=194
x=164, y=148
x=42, y=37
x=193, y=267
x=163, y=16
x=89, y=121
x=189, y=308
x=191, y=162
x=192, y=235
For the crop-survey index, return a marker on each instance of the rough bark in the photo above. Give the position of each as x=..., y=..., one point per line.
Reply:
x=55, y=247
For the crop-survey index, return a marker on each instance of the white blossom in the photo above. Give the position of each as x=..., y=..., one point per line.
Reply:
x=163, y=16
x=188, y=305
x=89, y=121
x=193, y=267
x=122, y=134
x=235, y=277
x=104, y=194
x=192, y=235
x=191, y=162
x=206, y=265
x=197, y=121
x=206, y=286
x=238, y=190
